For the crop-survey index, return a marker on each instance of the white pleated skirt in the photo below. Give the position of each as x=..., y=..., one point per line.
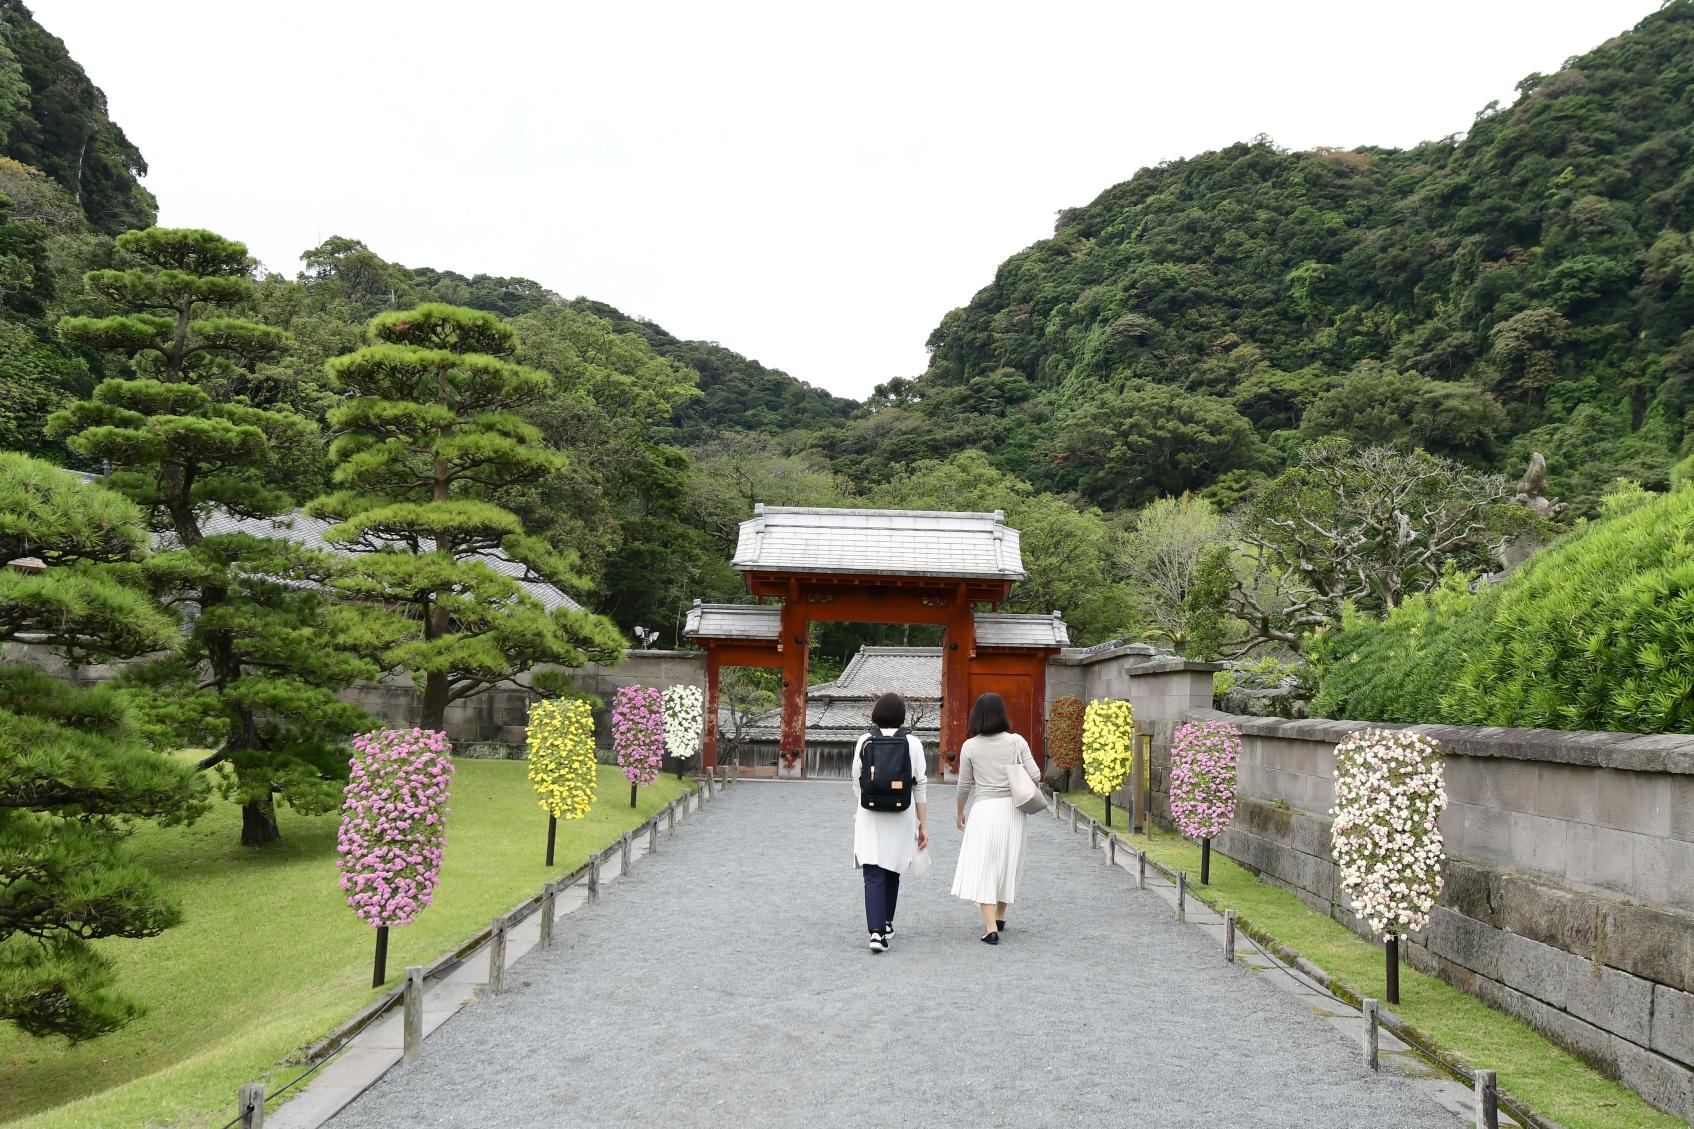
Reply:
x=991, y=856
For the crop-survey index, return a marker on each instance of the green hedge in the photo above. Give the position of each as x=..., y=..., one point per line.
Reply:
x=1595, y=632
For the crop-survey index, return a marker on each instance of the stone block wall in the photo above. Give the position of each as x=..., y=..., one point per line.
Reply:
x=1569, y=885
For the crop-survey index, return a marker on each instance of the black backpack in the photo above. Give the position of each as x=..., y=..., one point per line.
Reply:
x=885, y=772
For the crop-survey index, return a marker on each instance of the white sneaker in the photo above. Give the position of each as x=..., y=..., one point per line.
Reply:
x=878, y=945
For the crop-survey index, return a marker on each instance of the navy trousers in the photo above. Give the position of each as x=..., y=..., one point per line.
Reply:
x=882, y=890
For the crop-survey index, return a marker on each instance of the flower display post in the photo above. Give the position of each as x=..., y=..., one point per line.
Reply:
x=1204, y=755
x=394, y=828
x=1108, y=736
x=1064, y=734
x=561, y=761
x=1389, y=795
x=685, y=719
x=638, y=734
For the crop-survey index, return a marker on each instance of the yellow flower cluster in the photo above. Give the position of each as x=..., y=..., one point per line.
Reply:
x=1108, y=741
x=561, y=757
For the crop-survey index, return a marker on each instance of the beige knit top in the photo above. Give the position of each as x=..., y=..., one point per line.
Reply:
x=986, y=762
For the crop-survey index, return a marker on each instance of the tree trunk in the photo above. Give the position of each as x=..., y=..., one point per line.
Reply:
x=258, y=823
x=435, y=702
x=632, y=789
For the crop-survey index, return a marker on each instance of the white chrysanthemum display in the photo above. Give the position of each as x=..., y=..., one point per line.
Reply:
x=685, y=714
x=1389, y=795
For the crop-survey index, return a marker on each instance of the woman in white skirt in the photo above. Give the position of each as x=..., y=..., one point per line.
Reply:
x=886, y=844
x=991, y=856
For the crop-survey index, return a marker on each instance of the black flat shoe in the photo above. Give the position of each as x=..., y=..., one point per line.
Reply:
x=1000, y=925
x=991, y=938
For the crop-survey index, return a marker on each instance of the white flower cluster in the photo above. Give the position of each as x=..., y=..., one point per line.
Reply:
x=1389, y=796
x=685, y=713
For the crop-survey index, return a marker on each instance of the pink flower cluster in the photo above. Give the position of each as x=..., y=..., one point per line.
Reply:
x=638, y=732
x=394, y=823
x=1389, y=795
x=1204, y=755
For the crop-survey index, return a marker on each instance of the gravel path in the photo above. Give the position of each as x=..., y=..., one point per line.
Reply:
x=727, y=982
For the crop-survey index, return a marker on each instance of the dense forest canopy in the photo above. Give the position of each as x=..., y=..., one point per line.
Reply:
x=1524, y=287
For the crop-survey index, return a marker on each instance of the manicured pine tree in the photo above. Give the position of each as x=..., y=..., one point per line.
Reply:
x=429, y=437
x=73, y=770
x=268, y=648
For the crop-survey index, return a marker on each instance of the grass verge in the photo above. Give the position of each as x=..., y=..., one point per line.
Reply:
x=268, y=956
x=1555, y=1083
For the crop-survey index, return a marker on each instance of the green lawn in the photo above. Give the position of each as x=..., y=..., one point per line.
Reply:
x=269, y=958
x=1555, y=1083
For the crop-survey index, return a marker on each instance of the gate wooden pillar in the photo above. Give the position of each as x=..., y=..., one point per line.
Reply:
x=792, y=644
x=709, y=743
x=958, y=646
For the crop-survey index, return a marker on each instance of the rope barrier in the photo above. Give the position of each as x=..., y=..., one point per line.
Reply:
x=1452, y=1067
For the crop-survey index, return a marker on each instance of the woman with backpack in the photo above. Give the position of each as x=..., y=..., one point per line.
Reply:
x=891, y=787
x=991, y=856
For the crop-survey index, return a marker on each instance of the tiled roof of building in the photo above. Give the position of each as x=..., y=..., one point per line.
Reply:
x=841, y=710
x=879, y=542
x=733, y=621
x=1009, y=629
x=302, y=529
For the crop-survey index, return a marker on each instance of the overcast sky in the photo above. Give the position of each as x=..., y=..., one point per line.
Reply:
x=811, y=185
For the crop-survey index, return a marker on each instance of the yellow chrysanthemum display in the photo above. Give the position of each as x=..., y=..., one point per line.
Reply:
x=1108, y=741
x=561, y=757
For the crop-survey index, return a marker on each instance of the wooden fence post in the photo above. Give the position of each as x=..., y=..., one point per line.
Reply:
x=653, y=836
x=1487, y=1101
x=497, y=957
x=411, y=1020
x=670, y=818
x=547, y=898
x=250, y=1106
x=1229, y=936
x=594, y=879
x=1111, y=850
x=1368, y=1006
x=1093, y=835
x=624, y=855
x=1140, y=870
x=1073, y=817
x=1182, y=895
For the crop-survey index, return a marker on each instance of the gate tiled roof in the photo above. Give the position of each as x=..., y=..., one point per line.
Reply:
x=879, y=542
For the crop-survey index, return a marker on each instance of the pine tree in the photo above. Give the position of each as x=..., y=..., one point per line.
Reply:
x=268, y=648
x=429, y=438
x=73, y=771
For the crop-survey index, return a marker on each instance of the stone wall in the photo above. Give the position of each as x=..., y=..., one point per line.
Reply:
x=1569, y=884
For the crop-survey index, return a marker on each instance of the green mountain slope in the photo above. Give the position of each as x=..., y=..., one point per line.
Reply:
x=1527, y=286
x=54, y=118
x=736, y=392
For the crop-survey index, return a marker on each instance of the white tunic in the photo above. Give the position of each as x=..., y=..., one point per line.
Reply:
x=889, y=839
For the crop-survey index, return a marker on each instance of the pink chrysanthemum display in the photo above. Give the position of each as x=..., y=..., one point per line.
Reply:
x=638, y=732
x=1204, y=755
x=1389, y=795
x=394, y=823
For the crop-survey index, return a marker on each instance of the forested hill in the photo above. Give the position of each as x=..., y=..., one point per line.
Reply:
x=54, y=119
x=1529, y=286
x=735, y=391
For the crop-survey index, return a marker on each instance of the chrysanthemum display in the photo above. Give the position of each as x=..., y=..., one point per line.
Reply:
x=1108, y=738
x=685, y=715
x=561, y=757
x=1064, y=733
x=1389, y=795
x=1204, y=755
x=638, y=734
x=394, y=823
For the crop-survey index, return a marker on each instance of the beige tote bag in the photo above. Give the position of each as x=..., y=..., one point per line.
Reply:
x=1027, y=797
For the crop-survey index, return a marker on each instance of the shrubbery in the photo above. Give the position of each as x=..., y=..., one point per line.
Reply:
x=1595, y=632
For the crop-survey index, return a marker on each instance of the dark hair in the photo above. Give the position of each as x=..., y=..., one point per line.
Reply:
x=988, y=717
x=889, y=712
